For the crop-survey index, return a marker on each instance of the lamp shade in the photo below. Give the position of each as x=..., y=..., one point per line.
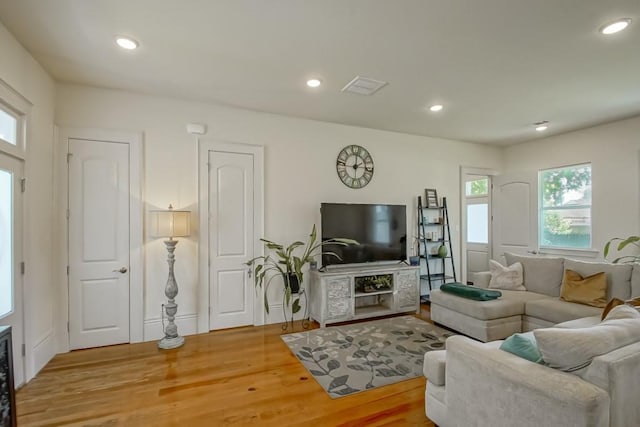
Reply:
x=170, y=223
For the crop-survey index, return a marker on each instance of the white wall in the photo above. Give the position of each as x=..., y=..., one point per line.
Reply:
x=299, y=163
x=24, y=75
x=614, y=152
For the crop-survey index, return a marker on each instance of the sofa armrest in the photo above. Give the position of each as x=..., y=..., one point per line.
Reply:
x=434, y=366
x=481, y=279
x=487, y=386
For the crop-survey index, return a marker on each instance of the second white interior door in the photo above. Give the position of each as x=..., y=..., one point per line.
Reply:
x=231, y=238
x=98, y=243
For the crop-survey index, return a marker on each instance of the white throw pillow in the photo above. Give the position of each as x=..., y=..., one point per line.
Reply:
x=506, y=278
x=570, y=350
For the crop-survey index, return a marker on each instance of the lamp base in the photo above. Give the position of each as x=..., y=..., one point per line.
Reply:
x=167, y=343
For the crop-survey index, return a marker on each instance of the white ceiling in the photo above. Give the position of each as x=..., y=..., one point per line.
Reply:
x=497, y=65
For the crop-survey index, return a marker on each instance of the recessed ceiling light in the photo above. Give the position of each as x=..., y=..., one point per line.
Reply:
x=541, y=126
x=615, y=26
x=435, y=108
x=313, y=83
x=127, y=43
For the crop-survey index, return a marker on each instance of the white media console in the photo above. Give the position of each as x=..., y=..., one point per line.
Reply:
x=351, y=293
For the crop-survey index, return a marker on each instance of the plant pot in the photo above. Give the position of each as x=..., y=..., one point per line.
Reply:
x=414, y=260
x=293, y=283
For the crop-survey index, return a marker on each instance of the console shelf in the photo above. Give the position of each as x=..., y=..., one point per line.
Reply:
x=339, y=295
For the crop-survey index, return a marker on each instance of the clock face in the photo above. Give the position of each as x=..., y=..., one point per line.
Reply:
x=354, y=166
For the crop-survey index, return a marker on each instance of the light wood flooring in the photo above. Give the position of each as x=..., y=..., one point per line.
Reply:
x=237, y=377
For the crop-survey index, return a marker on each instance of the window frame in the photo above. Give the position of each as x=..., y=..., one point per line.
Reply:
x=19, y=107
x=564, y=250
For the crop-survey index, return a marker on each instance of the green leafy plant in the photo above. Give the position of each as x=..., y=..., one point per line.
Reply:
x=287, y=262
x=634, y=241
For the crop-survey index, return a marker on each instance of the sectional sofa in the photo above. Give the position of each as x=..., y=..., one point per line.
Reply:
x=475, y=383
x=537, y=307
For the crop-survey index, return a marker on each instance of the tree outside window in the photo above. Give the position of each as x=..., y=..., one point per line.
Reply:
x=477, y=187
x=565, y=207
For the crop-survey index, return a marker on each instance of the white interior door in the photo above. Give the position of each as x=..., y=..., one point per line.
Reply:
x=11, y=173
x=231, y=238
x=515, y=214
x=98, y=243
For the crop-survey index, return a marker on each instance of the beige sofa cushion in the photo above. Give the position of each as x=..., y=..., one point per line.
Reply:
x=635, y=281
x=510, y=304
x=573, y=349
x=542, y=275
x=618, y=276
x=555, y=310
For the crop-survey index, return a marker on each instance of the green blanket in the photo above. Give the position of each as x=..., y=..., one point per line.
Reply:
x=470, y=292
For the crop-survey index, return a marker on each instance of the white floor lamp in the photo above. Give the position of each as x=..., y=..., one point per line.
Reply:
x=170, y=223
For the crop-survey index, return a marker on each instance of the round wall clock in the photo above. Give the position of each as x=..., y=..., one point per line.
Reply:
x=354, y=166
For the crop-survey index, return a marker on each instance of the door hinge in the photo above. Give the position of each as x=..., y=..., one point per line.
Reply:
x=69, y=157
x=22, y=267
x=67, y=270
x=24, y=350
x=68, y=330
x=68, y=214
x=23, y=184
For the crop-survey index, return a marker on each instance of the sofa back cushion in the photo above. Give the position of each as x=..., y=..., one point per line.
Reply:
x=618, y=275
x=542, y=275
x=635, y=281
x=572, y=350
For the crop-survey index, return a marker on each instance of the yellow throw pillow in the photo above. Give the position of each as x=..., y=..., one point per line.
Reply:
x=590, y=290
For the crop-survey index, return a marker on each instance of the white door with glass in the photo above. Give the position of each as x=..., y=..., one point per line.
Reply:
x=231, y=238
x=477, y=224
x=11, y=173
x=98, y=243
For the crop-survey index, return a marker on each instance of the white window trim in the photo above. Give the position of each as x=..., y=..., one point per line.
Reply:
x=559, y=250
x=19, y=107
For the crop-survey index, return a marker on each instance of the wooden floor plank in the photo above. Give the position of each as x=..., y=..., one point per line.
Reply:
x=236, y=377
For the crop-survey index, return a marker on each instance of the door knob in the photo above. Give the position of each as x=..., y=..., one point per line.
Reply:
x=122, y=270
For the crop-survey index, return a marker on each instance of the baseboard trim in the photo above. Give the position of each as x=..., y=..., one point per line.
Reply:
x=43, y=352
x=187, y=325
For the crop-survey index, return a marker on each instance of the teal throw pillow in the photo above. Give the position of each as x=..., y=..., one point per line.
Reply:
x=523, y=345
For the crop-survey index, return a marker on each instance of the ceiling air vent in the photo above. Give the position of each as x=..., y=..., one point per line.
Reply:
x=363, y=86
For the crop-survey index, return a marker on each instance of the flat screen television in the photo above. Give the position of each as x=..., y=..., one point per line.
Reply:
x=380, y=229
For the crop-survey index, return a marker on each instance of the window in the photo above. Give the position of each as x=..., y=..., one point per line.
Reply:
x=8, y=127
x=478, y=223
x=565, y=207
x=477, y=187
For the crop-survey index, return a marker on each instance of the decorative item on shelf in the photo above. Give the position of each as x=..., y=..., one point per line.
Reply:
x=170, y=223
x=431, y=198
x=284, y=263
x=375, y=283
x=633, y=241
x=442, y=251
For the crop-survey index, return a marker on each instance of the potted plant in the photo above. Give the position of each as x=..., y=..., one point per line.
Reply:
x=287, y=262
x=623, y=243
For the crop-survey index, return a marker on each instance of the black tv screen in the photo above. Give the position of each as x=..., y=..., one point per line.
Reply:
x=381, y=231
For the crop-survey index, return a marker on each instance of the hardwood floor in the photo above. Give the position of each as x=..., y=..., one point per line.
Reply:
x=243, y=376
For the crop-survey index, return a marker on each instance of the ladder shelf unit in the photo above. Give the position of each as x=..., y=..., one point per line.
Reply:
x=433, y=234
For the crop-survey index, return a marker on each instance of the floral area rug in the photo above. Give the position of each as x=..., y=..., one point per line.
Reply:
x=357, y=357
